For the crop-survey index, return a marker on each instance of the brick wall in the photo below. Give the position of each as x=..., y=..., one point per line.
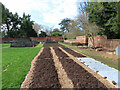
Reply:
x=39, y=39
x=57, y=38
x=102, y=41
x=7, y=40
x=81, y=39
x=43, y=39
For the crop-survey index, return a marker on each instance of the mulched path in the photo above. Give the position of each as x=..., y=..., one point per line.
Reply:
x=79, y=76
x=45, y=74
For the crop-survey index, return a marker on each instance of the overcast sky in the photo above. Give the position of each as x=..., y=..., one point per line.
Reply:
x=45, y=12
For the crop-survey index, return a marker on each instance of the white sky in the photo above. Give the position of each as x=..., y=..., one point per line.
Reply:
x=45, y=12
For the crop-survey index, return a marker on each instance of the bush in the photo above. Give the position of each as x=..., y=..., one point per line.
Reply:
x=24, y=43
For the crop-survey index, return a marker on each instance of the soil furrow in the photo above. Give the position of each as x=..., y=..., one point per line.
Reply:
x=75, y=54
x=79, y=76
x=63, y=78
x=44, y=73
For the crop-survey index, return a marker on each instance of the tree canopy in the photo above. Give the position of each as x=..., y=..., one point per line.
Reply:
x=42, y=34
x=56, y=32
x=14, y=26
x=64, y=24
x=105, y=14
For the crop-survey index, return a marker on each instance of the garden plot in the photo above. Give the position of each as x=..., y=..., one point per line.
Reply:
x=79, y=76
x=52, y=45
x=104, y=70
x=75, y=54
x=44, y=74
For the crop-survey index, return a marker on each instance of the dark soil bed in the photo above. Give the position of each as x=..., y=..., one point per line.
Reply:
x=45, y=74
x=52, y=45
x=60, y=54
x=79, y=76
x=75, y=54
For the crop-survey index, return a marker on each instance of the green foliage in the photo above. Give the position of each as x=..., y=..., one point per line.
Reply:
x=16, y=64
x=39, y=45
x=55, y=34
x=15, y=26
x=105, y=15
x=42, y=34
x=64, y=24
x=24, y=43
x=6, y=45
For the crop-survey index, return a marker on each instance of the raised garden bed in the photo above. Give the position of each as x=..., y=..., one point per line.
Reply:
x=45, y=74
x=79, y=76
x=75, y=54
x=52, y=45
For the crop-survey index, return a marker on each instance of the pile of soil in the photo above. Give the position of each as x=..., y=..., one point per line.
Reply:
x=75, y=54
x=45, y=73
x=79, y=76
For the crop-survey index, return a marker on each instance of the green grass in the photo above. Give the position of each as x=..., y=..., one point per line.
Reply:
x=6, y=45
x=39, y=45
x=108, y=61
x=84, y=47
x=16, y=63
x=64, y=44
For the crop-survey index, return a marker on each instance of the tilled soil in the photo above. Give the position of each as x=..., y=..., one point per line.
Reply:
x=60, y=53
x=52, y=45
x=46, y=54
x=45, y=73
x=75, y=54
x=79, y=76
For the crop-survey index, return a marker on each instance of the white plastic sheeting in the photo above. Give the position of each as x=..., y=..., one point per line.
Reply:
x=104, y=70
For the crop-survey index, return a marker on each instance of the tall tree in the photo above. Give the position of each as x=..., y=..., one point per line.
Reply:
x=105, y=14
x=14, y=26
x=42, y=34
x=37, y=28
x=64, y=24
x=90, y=29
x=26, y=29
x=56, y=32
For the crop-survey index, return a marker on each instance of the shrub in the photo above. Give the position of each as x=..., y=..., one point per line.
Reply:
x=23, y=43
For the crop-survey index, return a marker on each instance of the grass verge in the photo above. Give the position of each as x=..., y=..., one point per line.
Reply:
x=6, y=45
x=16, y=63
x=39, y=45
x=108, y=61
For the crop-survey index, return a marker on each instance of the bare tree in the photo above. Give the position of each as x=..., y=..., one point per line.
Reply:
x=90, y=29
x=74, y=30
x=37, y=28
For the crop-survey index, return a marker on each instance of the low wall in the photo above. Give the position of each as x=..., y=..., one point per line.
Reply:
x=102, y=41
x=39, y=39
x=81, y=39
x=43, y=39
x=8, y=40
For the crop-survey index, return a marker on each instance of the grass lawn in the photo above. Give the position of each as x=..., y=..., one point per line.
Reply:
x=108, y=61
x=6, y=45
x=16, y=63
